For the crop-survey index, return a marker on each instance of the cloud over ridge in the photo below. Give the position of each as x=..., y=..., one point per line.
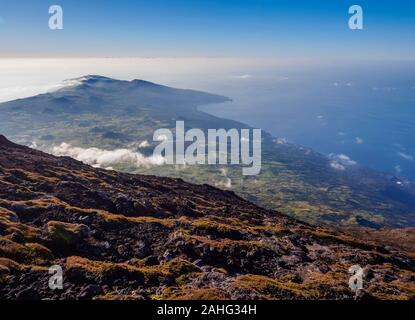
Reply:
x=100, y=158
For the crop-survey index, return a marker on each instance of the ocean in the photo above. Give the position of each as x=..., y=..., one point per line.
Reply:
x=366, y=112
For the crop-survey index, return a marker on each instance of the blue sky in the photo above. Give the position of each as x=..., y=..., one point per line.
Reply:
x=295, y=29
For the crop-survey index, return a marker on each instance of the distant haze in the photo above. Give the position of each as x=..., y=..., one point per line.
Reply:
x=23, y=77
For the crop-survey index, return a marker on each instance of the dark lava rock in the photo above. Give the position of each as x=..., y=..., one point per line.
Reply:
x=123, y=236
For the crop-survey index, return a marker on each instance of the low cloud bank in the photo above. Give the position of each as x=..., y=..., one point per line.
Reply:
x=406, y=156
x=107, y=158
x=359, y=140
x=225, y=184
x=340, y=161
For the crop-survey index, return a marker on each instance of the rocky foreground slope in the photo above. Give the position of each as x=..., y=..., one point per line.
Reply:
x=122, y=236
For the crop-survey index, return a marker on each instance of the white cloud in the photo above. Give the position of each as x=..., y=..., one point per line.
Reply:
x=359, y=140
x=398, y=168
x=322, y=120
x=106, y=158
x=406, y=156
x=341, y=161
x=8, y=93
x=243, y=76
x=338, y=84
x=228, y=183
x=337, y=166
x=281, y=141
x=144, y=144
x=13, y=91
x=162, y=137
x=33, y=145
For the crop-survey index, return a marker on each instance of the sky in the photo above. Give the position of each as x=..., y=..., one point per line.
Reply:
x=288, y=30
